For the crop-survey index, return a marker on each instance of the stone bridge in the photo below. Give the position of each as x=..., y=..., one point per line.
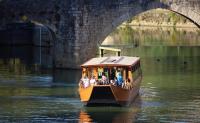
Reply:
x=80, y=25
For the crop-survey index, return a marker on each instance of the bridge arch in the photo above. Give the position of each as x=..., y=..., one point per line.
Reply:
x=186, y=12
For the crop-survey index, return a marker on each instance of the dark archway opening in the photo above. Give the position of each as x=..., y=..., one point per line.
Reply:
x=27, y=43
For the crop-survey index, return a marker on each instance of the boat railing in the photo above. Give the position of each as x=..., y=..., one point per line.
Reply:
x=126, y=84
x=101, y=50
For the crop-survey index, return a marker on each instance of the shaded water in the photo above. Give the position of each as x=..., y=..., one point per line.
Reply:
x=170, y=90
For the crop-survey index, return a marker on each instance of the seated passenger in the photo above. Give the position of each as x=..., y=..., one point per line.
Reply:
x=119, y=79
x=85, y=82
x=104, y=79
x=93, y=80
x=115, y=79
x=127, y=84
x=81, y=83
x=114, y=82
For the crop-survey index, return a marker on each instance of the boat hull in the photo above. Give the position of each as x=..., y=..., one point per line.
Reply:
x=109, y=94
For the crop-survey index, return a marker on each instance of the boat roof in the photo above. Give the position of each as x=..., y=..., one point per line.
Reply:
x=111, y=61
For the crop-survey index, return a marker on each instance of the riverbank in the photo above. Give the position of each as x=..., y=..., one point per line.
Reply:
x=185, y=28
x=162, y=24
x=167, y=36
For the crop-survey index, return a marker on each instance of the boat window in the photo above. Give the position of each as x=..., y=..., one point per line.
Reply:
x=92, y=72
x=100, y=71
x=84, y=72
x=136, y=66
x=89, y=72
x=136, y=72
x=106, y=71
x=112, y=74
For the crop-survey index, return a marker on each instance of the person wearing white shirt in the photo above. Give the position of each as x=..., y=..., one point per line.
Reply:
x=93, y=80
x=86, y=82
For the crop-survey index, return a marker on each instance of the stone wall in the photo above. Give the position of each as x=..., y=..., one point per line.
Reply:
x=80, y=25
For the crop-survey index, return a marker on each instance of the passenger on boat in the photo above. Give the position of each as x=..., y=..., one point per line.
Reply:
x=81, y=83
x=114, y=81
x=112, y=74
x=93, y=81
x=127, y=84
x=85, y=81
x=119, y=79
x=100, y=71
x=104, y=79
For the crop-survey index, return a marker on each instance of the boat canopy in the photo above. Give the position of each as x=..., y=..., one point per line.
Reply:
x=111, y=61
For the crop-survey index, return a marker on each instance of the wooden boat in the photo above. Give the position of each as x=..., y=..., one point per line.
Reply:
x=110, y=92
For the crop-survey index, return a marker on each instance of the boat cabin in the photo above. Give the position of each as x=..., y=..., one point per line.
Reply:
x=116, y=70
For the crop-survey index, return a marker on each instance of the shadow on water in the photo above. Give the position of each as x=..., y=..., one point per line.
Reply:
x=109, y=114
x=37, y=95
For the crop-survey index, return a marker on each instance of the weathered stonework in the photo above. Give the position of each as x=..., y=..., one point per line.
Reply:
x=80, y=25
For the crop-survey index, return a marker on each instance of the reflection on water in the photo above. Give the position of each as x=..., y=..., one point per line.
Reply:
x=148, y=36
x=169, y=92
x=35, y=95
x=112, y=114
x=170, y=62
x=30, y=55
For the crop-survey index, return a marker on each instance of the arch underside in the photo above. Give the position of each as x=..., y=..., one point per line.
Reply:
x=186, y=12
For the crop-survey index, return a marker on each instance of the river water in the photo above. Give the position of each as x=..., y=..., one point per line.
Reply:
x=170, y=90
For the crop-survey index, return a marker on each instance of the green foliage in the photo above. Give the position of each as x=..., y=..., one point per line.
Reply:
x=126, y=34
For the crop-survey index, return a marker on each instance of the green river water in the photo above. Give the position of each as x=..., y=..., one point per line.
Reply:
x=170, y=90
